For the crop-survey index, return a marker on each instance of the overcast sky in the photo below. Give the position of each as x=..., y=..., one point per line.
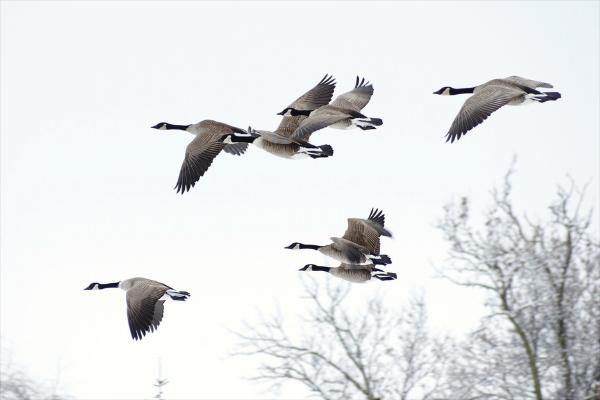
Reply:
x=87, y=187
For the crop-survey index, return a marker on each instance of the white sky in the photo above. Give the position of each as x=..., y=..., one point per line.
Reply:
x=87, y=185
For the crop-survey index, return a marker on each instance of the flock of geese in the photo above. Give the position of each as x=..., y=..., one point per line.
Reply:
x=358, y=250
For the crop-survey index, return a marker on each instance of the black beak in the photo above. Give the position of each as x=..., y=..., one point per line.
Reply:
x=157, y=126
x=281, y=113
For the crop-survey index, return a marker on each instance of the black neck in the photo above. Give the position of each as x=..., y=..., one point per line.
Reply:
x=295, y=112
x=318, y=268
x=173, y=126
x=461, y=90
x=108, y=285
x=245, y=139
x=310, y=246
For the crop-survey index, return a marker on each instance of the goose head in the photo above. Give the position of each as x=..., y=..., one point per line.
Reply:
x=308, y=267
x=287, y=112
x=445, y=91
x=294, y=246
x=93, y=286
x=161, y=125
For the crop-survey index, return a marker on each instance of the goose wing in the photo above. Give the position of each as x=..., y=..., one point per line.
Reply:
x=357, y=98
x=199, y=155
x=366, y=232
x=144, y=308
x=480, y=106
x=319, y=119
x=351, y=273
x=528, y=82
x=289, y=124
x=316, y=97
x=236, y=149
x=209, y=126
x=347, y=250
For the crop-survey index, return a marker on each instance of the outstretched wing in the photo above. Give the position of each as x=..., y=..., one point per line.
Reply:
x=478, y=107
x=199, y=155
x=316, y=97
x=288, y=125
x=236, y=149
x=144, y=310
x=317, y=120
x=357, y=98
x=366, y=232
x=528, y=82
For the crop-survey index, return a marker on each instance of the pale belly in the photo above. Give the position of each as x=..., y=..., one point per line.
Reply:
x=344, y=124
x=279, y=150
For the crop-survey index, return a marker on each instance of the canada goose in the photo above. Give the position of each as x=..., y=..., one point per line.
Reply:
x=280, y=142
x=360, y=243
x=342, y=113
x=353, y=273
x=489, y=97
x=145, y=302
x=211, y=138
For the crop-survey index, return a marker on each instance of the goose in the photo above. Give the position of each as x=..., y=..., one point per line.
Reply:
x=353, y=273
x=145, y=302
x=342, y=113
x=280, y=141
x=489, y=97
x=211, y=138
x=360, y=243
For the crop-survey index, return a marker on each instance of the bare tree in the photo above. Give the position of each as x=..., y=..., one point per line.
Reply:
x=541, y=338
x=367, y=352
x=16, y=384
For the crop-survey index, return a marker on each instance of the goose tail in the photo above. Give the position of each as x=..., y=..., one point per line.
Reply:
x=320, y=151
x=368, y=123
x=387, y=276
x=178, y=295
x=382, y=259
x=546, y=96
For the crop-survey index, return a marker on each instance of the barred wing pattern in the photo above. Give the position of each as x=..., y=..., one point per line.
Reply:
x=480, y=106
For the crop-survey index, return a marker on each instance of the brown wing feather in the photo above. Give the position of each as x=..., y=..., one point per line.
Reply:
x=141, y=307
x=199, y=155
x=357, y=98
x=528, y=82
x=317, y=121
x=478, y=107
x=288, y=125
x=361, y=233
x=316, y=97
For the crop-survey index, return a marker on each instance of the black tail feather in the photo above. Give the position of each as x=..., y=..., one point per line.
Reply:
x=547, y=96
x=382, y=260
x=388, y=276
x=327, y=149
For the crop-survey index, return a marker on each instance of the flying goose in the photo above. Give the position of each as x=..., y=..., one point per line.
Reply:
x=353, y=273
x=145, y=302
x=360, y=243
x=342, y=113
x=211, y=138
x=280, y=142
x=489, y=97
